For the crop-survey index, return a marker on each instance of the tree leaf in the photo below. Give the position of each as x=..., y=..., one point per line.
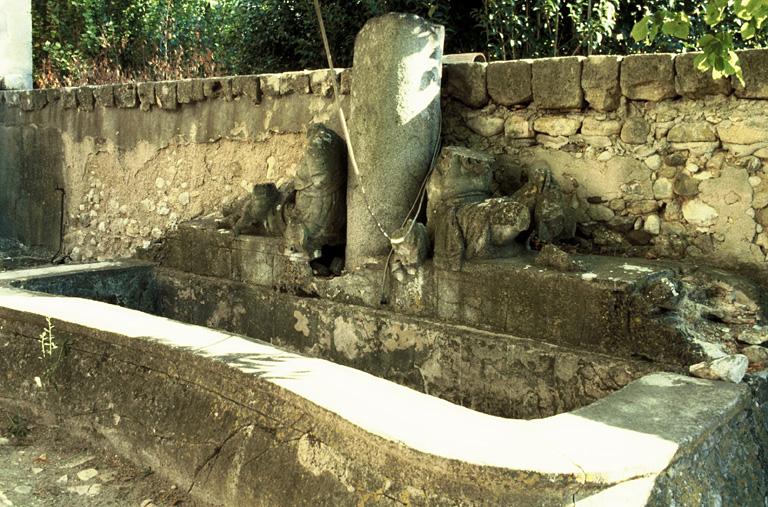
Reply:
x=747, y=31
x=678, y=26
x=641, y=29
x=713, y=12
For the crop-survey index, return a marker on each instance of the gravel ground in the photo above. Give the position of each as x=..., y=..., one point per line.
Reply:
x=43, y=466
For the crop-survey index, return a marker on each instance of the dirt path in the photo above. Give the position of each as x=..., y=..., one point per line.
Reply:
x=42, y=466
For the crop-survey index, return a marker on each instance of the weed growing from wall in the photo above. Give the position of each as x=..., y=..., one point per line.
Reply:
x=52, y=353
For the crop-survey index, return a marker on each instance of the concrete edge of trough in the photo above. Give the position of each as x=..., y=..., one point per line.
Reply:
x=632, y=434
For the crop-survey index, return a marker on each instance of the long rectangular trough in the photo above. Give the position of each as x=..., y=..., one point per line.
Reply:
x=238, y=421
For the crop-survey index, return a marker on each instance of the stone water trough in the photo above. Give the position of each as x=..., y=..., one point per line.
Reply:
x=269, y=353
x=239, y=421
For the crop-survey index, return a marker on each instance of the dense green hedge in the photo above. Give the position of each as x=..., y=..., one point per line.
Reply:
x=92, y=41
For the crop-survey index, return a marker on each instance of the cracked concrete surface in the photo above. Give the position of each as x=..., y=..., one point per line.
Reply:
x=279, y=428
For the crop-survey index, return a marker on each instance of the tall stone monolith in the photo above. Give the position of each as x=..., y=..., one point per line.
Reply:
x=394, y=127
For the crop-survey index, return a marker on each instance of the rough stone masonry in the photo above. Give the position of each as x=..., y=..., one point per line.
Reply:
x=665, y=164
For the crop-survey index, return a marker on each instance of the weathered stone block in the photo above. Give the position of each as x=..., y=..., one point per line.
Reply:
x=146, y=94
x=104, y=95
x=53, y=94
x=125, y=95
x=12, y=98
x=189, y=91
x=518, y=127
x=345, y=76
x=754, y=66
x=33, y=100
x=600, y=81
x=247, y=86
x=635, y=131
x=294, y=82
x=485, y=125
x=85, y=100
x=270, y=84
x=699, y=213
x=692, y=83
x=466, y=82
x=662, y=189
x=685, y=186
x=691, y=132
x=595, y=127
x=68, y=98
x=556, y=83
x=509, y=83
x=216, y=87
x=165, y=95
x=557, y=125
x=321, y=82
x=750, y=131
x=648, y=77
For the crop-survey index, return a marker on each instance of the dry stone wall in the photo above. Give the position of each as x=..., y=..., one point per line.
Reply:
x=657, y=159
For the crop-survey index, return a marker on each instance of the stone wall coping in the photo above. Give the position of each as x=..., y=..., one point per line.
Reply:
x=560, y=83
x=171, y=94
x=633, y=433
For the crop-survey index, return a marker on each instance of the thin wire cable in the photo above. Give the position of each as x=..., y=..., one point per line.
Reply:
x=342, y=117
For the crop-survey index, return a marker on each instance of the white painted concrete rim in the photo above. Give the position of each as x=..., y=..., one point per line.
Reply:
x=566, y=444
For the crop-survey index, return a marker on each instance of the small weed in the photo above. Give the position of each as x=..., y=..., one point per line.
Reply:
x=18, y=426
x=47, y=341
x=52, y=353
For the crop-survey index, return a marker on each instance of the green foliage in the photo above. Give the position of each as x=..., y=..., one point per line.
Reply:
x=93, y=41
x=77, y=41
x=710, y=27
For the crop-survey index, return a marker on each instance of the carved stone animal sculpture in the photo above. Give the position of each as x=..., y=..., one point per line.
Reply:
x=318, y=215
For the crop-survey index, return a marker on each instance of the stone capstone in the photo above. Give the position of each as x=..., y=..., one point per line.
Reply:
x=165, y=93
x=248, y=87
x=509, y=82
x=754, y=66
x=562, y=92
x=146, y=94
x=600, y=81
x=104, y=95
x=125, y=95
x=466, y=82
x=394, y=127
x=189, y=91
x=85, y=100
x=648, y=77
x=693, y=84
